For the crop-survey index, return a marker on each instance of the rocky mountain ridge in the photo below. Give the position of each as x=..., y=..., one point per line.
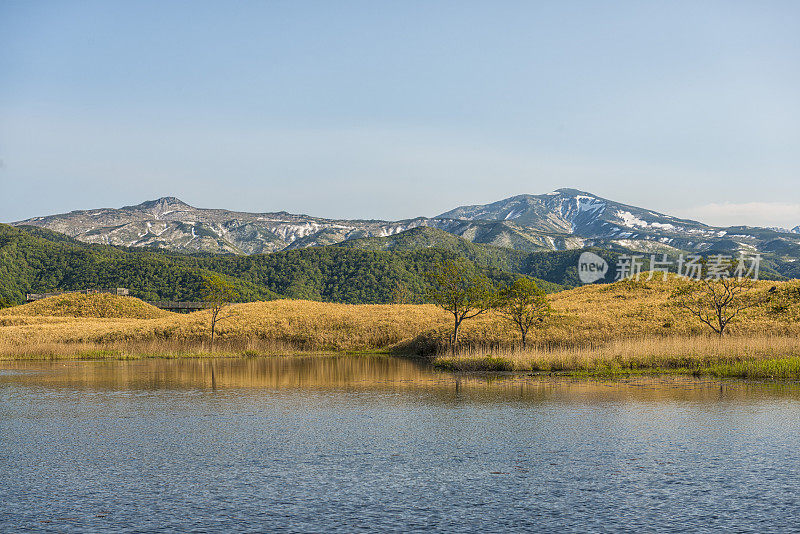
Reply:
x=560, y=220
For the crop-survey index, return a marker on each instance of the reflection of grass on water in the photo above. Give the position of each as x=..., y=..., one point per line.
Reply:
x=773, y=369
x=476, y=364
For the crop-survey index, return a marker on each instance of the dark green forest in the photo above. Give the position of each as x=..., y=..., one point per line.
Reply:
x=373, y=270
x=36, y=260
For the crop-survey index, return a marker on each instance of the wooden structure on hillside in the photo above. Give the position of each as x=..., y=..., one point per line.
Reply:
x=119, y=291
x=181, y=307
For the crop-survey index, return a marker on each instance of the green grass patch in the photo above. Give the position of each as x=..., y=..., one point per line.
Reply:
x=780, y=369
x=769, y=369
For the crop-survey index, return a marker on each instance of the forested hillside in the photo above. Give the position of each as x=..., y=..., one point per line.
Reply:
x=558, y=267
x=37, y=260
x=370, y=270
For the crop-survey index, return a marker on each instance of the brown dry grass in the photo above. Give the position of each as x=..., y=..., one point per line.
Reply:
x=592, y=316
x=677, y=352
x=289, y=325
x=80, y=305
x=624, y=318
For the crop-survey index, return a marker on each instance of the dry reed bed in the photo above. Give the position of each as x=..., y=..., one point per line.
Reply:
x=622, y=319
x=289, y=324
x=677, y=352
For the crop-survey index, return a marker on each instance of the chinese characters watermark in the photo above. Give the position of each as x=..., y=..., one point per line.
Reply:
x=689, y=267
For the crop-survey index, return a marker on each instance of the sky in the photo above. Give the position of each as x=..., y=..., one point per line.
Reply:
x=398, y=109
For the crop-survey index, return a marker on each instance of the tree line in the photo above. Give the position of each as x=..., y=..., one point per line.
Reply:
x=715, y=300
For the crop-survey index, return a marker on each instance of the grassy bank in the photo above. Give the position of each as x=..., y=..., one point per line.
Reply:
x=762, y=357
x=627, y=327
x=138, y=350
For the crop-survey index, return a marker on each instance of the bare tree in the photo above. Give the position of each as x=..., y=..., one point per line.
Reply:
x=716, y=302
x=217, y=294
x=458, y=289
x=524, y=304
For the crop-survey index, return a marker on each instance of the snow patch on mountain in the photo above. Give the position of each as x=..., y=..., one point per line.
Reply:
x=630, y=220
x=795, y=230
x=589, y=203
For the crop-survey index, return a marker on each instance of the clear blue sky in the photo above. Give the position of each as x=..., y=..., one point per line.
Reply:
x=396, y=109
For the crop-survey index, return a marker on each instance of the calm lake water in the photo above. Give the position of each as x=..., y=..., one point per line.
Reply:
x=379, y=444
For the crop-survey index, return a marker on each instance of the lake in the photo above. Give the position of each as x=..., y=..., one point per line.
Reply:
x=349, y=444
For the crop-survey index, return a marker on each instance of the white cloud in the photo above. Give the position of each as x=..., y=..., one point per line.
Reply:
x=783, y=214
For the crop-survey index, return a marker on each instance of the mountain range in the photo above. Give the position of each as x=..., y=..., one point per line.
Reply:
x=562, y=220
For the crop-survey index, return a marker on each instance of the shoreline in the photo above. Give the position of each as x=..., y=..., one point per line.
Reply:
x=778, y=368
x=715, y=372
x=113, y=354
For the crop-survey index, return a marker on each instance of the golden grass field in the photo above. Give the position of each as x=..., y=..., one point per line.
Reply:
x=45, y=328
x=626, y=325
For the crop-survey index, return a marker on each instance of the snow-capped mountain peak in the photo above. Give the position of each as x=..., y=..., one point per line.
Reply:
x=562, y=219
x=574, y=212
x=162, y=207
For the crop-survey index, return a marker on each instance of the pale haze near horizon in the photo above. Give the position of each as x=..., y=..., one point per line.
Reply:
x=396, y=110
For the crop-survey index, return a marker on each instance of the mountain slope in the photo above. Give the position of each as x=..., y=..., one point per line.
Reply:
x=594, y=221
x=172, y=224
x=566, y=219
x=581, y=214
